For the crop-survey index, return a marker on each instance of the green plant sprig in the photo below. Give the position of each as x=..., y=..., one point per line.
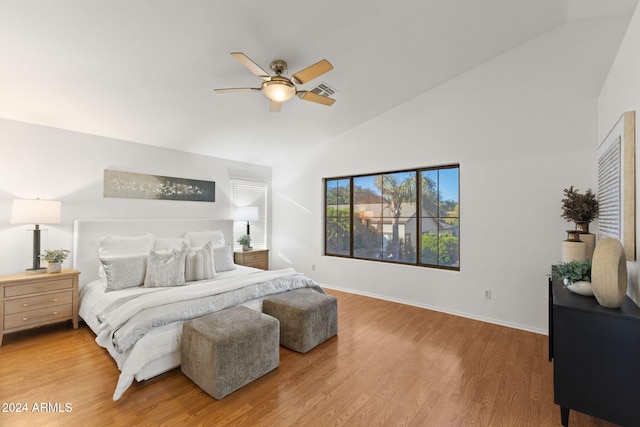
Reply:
x=244, y=240
x=55, y=255
x=573, y=271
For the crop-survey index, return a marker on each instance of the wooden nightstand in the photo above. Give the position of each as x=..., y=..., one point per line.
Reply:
x=32, y=300
x=257, y=258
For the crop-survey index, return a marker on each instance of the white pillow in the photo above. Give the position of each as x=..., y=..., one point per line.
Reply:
x=122, y=246
x=199, y=263
x=223, y=259
x=168, y=243
x=166, y=268
x=198, y=239
x=124, y=271
x=125, y=245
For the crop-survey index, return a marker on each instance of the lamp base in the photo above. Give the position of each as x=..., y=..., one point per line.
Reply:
x=35, y=270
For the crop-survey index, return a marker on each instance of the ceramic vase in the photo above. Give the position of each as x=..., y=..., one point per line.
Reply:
x=573, y=247
x=581, y=288
x=582, y=227
x=54, y=267
x=609, y=273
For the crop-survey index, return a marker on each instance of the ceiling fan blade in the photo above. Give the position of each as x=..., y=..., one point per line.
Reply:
x=250, y=65
x=313, y=97
x=237, y=89
x=274, y=107
x=313, y=71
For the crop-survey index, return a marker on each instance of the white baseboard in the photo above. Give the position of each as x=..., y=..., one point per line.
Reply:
x=442, y=310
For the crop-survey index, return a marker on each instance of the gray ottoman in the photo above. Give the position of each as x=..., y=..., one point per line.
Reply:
x=226, y=350
x=307, y=317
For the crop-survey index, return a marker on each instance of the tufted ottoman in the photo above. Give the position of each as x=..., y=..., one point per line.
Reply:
x=226, y=350
x=307, y=317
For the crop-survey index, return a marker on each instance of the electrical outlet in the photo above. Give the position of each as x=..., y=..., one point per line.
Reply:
x=313, y=267
x=487, y=294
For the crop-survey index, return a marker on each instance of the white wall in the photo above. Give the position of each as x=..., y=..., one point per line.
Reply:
x=522, y=127
x=48, y=163
x=620, y=93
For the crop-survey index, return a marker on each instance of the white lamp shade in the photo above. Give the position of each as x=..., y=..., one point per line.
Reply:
x=24, y=211
x=247, y=213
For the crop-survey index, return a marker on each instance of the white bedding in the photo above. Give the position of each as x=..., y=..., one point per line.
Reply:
x=242, y=286
x=94, y=299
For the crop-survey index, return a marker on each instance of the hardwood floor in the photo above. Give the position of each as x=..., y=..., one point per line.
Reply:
x=391, y=365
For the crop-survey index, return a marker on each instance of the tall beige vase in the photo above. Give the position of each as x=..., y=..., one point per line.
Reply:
x=590, y=244
x=609, y=273
x=573, y=247
x=589, y=239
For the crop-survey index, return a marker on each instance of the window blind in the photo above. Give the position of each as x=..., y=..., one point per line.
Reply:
x=250, y=193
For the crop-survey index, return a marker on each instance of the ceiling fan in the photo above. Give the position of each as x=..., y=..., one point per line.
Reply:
x=278, y=88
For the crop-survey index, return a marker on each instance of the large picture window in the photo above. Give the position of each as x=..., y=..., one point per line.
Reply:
x=409, y=217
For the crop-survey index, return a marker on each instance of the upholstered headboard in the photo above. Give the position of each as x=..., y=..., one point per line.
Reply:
x=87, y=231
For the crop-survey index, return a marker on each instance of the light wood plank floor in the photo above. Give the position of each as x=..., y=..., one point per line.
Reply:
x=391, y=365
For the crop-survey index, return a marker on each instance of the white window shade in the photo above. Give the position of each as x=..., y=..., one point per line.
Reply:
x=250, y=194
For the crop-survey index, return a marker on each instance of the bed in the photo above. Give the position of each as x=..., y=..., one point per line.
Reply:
x=140, y=324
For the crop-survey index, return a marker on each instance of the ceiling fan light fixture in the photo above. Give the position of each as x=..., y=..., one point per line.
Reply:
x=279, y=90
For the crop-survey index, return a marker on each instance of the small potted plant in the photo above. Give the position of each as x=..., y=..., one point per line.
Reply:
x=579, y=208
x=55, y=258
x=245, y=241
x=576, y=276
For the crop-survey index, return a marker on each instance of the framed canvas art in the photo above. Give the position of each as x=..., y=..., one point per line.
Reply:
x=143, y=186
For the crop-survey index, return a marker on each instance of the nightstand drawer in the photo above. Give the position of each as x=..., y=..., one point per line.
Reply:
x=263, y=265
x=43, y=315
x=258, y=258
x=250, y=257
x=35, y=288
x=39, y=301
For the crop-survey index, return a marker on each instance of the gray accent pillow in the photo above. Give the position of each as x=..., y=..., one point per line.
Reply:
x=123, y=272
x=166, y=268
x=199, y=263
x=223, y=258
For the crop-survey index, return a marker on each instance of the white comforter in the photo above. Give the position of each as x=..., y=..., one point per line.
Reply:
x=142, y=340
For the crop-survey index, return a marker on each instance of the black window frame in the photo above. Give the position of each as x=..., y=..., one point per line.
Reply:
x=333, y=246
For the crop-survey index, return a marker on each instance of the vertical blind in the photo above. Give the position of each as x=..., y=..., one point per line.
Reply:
x=610, y=192
x=250, y=193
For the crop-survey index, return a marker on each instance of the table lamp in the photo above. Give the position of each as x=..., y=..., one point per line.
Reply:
x=24, y=211
x=247, y=213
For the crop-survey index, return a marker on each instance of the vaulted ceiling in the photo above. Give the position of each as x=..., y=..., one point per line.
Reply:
x=145, y=70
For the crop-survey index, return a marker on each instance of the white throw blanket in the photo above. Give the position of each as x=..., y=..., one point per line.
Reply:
x=113, y=319
x=137, y=319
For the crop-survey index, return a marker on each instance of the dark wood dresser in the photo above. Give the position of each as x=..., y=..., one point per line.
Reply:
x=596, y=356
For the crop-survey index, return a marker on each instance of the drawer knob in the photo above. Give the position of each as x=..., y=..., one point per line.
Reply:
x=25, y=318
x=55, y=300
x=25, y=305
x=55, y=312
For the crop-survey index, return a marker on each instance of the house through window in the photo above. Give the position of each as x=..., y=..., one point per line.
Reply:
x=410, y=217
